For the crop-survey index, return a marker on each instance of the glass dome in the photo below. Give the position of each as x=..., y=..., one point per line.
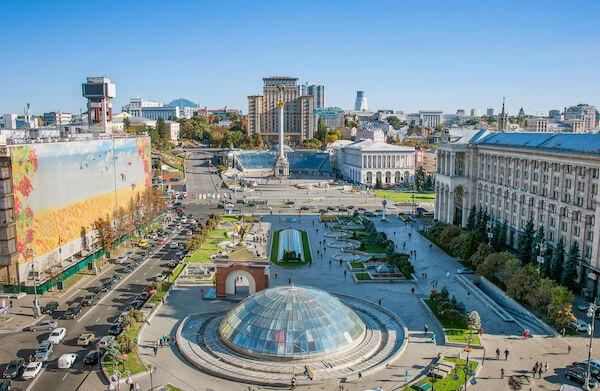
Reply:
x=291, y=323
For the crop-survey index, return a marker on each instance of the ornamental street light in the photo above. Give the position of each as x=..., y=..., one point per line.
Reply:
x=591, y=314
x=541, y=246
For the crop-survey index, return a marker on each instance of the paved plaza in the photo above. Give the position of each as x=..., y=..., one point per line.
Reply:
x=173, y=369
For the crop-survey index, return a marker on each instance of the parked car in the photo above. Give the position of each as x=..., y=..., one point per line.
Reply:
x=579, y=376
x=138, y=304
x=66, y=360
x=160, y=277
x=593, y=363
x=115, y=329
x=593, y=371
x=57, y=335
x=85, y=339
x=73, y=311
x=49, y=308
x=43, y=352
x=103, y=343
x=173, y=245
x=579, y=325
x=369, y=214
x=361, y=209
x=144, y=296
x=322, y=211
x=91, y=358
x=116, y=277
x=47, y=325
x=464, y=270
x=31, y=370
x=331, y=208
x=106, y=286
x=88, y=300
x=122, y=315
x=14, y=369
x=130, y=268
x=173, y=264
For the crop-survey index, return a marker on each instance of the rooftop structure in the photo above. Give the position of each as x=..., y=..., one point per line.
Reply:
x=361, y=101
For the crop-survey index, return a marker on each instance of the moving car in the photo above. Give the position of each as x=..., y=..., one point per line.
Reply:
x=464, y=270
x=49, y=308
x=142, y=243
x=161, y=241
x=31, y=370
x=137, y=305
x=47, y=325
x=66, y=360
x=88, y=300
x=579, y=376
x=173, y=245
x=103, y=343
x=91, y=358
x=361, y=209
x=579, y=325
x=14, y=369
x=129, y=268
x=161, y=277
x=85, y=339
x=115, y=329
x=57, y=335
x=369, y=214
x=144, y=296
x=73, y=311
x=116, y=277
x=43, y=352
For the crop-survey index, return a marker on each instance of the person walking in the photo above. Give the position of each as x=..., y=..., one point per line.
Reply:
x=345, y=273
x=412, y=290
x=501, y=373
x=506, y=352
x=426, y=328
x=540, y=370
x=359, y=376
x=155, y=348
x=497, y=353
x=380, y=304
x=433, y=338
x=546, y=367
x=563, y=332
x=569, y=349
x=276, y=274
x=534, y=370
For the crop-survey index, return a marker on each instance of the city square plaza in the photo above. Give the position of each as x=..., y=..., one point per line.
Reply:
x=193, y=363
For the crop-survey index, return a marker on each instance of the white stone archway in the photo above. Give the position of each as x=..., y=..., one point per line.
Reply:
x=230, y=282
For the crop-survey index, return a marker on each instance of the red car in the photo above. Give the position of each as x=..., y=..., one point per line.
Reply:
x=173, y=264
x=160, y=242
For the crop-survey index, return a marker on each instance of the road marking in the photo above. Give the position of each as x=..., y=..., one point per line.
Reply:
x=65, y=376
x=98, y=318
x=36, y=378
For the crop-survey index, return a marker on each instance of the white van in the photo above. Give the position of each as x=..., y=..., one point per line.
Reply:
x=105, y=341
x=66, y=360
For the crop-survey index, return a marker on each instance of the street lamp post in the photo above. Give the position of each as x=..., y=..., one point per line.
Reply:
x=150, y=367
x=36, y=306
x=540, y=258
x=466, y=369
x=490, y=235
x=591, y=313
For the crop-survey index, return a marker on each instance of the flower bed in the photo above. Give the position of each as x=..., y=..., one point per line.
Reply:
x=362, y=276
x=357, y=265
x=328, y=219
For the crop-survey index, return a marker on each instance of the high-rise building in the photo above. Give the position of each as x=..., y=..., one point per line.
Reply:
x=332, y=117
x=490, y=112
x=57, y=117
x=9, y=121
x=475, y=113
x=314, y=90
x=361, y=101
x=298, y=110
x=583, y=112
x=99, y=92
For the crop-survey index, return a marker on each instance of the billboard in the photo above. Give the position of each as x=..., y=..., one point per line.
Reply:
x=63, y=187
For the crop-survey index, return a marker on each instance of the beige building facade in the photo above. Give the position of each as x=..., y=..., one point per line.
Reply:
x=299, y=119
x=552, y=179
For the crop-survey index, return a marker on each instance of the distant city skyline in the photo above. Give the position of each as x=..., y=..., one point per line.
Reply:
x=463, y=55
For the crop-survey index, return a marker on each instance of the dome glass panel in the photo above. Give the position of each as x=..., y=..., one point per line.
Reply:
x=291, y=323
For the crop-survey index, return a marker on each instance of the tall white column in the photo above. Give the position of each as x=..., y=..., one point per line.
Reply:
x=280, y=105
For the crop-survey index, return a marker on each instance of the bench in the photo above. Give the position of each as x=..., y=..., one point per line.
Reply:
x=309, y=372
x=422, y=386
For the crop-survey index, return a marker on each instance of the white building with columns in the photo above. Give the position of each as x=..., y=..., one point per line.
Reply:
x=550, y=178
x=368, y=160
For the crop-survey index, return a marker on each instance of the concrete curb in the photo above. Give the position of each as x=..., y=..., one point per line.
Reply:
x=446, y=342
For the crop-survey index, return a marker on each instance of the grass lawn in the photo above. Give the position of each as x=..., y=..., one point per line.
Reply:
x=209, y=247
x=448, y=383
x=275, y=251
x=132, y=362
x=455, y=333
x=171, y=388
x=230, y=218
x=68, y=283
x=405, y=196
x=357, y=265
x=362, y=276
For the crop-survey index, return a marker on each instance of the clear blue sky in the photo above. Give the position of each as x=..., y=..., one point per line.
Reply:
x=407, y=55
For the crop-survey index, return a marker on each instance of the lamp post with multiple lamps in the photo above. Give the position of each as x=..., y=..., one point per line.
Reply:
x=490, y=235
x=541, y=246
x=466, y=368
x=591, y=314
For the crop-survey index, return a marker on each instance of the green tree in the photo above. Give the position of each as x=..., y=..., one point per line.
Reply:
x=420, y=179
x=378, y=183
x=558, y=259
x=448, y=235
x=472, y=220
x=569, y=275
x=321, y=131
x=352, y=123
x=256, y=140
x=163, y=132
x=471, y=242
x=395, y=122
x=560, y=308
x=501, y=241
x=429, y=183
x=126, y=124
x=525, y=242
x=483, y=250
x=523, y=282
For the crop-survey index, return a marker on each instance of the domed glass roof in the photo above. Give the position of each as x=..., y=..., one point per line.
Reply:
x=291, y=323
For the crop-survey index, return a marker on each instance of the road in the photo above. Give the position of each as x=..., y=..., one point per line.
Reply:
x=200, y=177
x=95, y=319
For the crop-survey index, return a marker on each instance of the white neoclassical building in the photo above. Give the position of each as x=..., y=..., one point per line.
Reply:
x=550, y=178
x=366, y=161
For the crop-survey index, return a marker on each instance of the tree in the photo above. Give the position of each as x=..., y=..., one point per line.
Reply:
x=523, y=282
x=449, y=233
x=472, y=220
x=256, y=140
x=556, y=264
x=471, y=242
x=112, y=351
x=501, y=241
x=105, y=232
x=321, y=131
x=429, y=183
x=420, y=179
x=395, y=122
x=560, y=308
x=483, y=250
x=378, y=183
x=474, y=320
x=163, y=132
x=525, y=242
x=126, y=124
x=542, y=295
x=493, y=266
x=569, y=275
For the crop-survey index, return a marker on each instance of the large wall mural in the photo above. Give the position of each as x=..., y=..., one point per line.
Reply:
x=60, y=188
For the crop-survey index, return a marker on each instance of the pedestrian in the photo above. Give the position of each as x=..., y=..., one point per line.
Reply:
x=448, y=275
x=426, y=328
x=11, y=304
x=164, y=339
x=534, y=370
x=506, y=355
x=359, y=376
x=501, y=373
x=563, y=332
x=161, y=342
x=276, y=274
x=569, y=349
x=546, y=367
x=412, y=291
x=340, y=262
x=497, y=353
x=155, y=350
x=293, y=382
x=345, y=273
x=30, y=357
x=430, y=245
x=330, y=262
x=169, y=339
x=290, y=280
x=540, y=369
x=433, y=338
x=380, y=304
x=480, y=331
